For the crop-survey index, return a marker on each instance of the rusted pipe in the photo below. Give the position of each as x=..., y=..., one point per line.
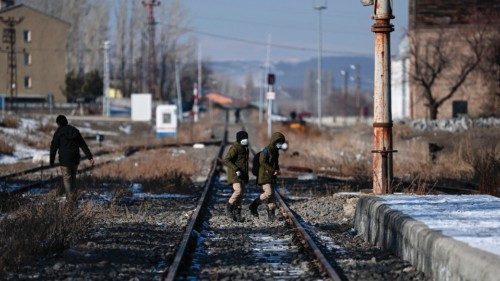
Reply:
x=382, y=119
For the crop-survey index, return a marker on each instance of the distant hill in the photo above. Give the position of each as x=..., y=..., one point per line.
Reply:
x=291, y=74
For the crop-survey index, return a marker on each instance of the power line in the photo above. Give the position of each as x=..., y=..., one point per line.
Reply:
x=261, y=43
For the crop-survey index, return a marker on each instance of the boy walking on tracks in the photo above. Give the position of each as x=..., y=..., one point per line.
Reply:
x=268, y=171
x=236, y=160
x=68, y=140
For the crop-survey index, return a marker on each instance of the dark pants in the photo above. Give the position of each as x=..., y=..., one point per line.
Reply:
x=69, y=179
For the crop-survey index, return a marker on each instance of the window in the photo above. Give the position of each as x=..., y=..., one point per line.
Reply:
x=27, y=36
x=167, y=118
x=27, y=59
x=27, y=82
x=459, y=108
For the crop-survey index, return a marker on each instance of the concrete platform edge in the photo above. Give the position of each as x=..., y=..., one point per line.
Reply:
x=438, y=256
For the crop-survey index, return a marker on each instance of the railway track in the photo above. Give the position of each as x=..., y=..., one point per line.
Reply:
x=214, y=247
x=20, y=185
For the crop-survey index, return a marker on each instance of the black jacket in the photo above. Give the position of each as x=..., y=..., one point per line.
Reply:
x=68, y=140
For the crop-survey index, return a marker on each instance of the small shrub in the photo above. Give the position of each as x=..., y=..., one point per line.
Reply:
x=10, y=122
x=41, y=228
x=6, y=148
x=46, y=128
x=486, y=166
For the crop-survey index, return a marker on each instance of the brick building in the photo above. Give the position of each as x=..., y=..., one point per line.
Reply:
x=454, y=22
x=40, y=53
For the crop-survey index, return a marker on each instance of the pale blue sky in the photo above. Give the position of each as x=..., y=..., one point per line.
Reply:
x=346, y=27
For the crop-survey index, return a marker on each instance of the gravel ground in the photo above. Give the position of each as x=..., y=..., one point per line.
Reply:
x=135, y=237
x=252, y=250
x=330, y=220
x=133, y=241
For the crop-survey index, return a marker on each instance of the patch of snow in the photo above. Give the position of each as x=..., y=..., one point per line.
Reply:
x=454, y=125
x=177, y=152
x=307, y=177
x=136, y=188
x=160, y=195
x=473, y=219
x=127, y=129
x=29, y=124
x=41, y=158
x=95, y=132
x=20, y=152
x=198, y=145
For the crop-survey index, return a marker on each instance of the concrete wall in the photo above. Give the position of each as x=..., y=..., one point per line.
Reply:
x=47, y=49
x=438, y=256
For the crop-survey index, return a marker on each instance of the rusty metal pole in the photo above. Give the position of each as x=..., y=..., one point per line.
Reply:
x=382, y=119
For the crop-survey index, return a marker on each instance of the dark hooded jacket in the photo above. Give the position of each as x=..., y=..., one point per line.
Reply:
x=268, y=160
x=236, y=159
x=68, y=140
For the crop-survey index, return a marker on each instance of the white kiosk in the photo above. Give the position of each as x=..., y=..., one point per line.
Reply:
x=166, y=121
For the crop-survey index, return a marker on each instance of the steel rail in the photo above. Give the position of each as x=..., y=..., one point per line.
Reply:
x=131, y=150
x=188, y=236
x=53, y=180
x=306, y=240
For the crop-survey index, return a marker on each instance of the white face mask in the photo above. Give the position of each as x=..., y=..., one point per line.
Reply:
x=244, y=142
x=283, y=146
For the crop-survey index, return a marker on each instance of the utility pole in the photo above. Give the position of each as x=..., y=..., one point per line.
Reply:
x=178, y=89
x=346, y=81
x=268, y=69
x=195, y=102
x=200, y=80
x=105, y=92
x=152, y=87
x=320, y=6
x=261, y=93
x=357, y=68
x=270, y=96
x=9, y=37
x=382, y=119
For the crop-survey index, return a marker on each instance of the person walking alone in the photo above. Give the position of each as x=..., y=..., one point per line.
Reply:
x=236, y=161
x=68, y=141
x=269, y=170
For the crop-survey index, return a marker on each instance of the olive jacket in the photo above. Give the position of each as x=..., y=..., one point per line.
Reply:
x=269, y=160
x=236, y=159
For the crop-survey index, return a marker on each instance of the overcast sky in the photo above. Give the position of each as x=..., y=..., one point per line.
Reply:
x=294, y=23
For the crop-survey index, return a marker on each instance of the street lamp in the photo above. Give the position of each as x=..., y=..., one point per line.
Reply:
x=320, y=5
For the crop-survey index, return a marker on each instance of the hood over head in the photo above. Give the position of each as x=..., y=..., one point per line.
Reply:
x=277, y=137
x=241, y=135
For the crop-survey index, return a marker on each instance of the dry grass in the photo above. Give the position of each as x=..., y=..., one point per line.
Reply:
x=10, y=122
x=41, y=228
x=481, y=154
x=6, y=148
x=345, y=152
x=157, y=171
x=46, y=128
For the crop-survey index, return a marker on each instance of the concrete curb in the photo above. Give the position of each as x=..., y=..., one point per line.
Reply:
x=438, y=256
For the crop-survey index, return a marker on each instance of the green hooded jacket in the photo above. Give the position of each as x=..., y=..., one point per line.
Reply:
x=268, y=160
x=236, y=159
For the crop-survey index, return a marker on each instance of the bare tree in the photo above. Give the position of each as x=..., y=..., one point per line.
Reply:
x=446, y=57
x=309, y=90
x=120, y=63
x=249, y=87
